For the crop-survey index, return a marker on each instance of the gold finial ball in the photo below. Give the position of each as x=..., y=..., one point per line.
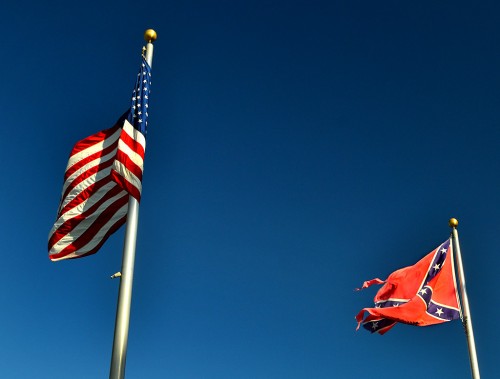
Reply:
x=150, y=35
x=453, y=222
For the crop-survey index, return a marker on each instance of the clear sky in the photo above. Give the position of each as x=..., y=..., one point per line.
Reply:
x=295, y=149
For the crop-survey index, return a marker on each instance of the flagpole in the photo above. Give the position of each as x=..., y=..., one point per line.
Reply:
x=119, y=354
x=466, y=318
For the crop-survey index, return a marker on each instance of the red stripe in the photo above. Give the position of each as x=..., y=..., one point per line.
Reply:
x=102, y=219
x=129, y=164
x=126, y=185
x=95, y=138
x=132, y=143
x=96, y=226
x=85, y=194
x=85, y=175
x=124, y=158
x=97, y=155
x=87, y=143
x=111, y=230
x=68, y=226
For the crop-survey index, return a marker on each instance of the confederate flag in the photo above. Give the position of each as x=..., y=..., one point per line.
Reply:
x=422, y=294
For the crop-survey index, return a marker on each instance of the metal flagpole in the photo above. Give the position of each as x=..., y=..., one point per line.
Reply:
x=466, y=318
x=119, y=355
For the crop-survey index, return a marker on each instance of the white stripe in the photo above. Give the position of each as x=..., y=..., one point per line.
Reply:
x=89, y=166
x=78, y=210
x=129, y=176
x=97, y=237
x=86, y=223
x=93, y=149
x=102, y=232
x=86, y=204
x=135, y=134
x=133, y=156
x=392, y=299
x=82, y=186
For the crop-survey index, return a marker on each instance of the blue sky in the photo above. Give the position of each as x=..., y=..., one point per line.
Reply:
x=295, y=149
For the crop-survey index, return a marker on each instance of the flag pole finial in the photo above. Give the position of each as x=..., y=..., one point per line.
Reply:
x=150, y=35
x=453, y=222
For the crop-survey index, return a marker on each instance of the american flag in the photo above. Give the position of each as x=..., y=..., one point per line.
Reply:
x=102, y=171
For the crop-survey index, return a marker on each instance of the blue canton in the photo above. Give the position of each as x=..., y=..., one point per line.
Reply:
x=138, y=114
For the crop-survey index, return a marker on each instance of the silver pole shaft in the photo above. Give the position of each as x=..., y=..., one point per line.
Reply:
x=119, y=354
x=467, y=321
x=122, y=322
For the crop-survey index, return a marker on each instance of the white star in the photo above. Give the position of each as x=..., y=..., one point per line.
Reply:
x=396, y=305
x=423, y=291
x=436, y=266
x=443, y=250
x=375, y=325
x=439, y=311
